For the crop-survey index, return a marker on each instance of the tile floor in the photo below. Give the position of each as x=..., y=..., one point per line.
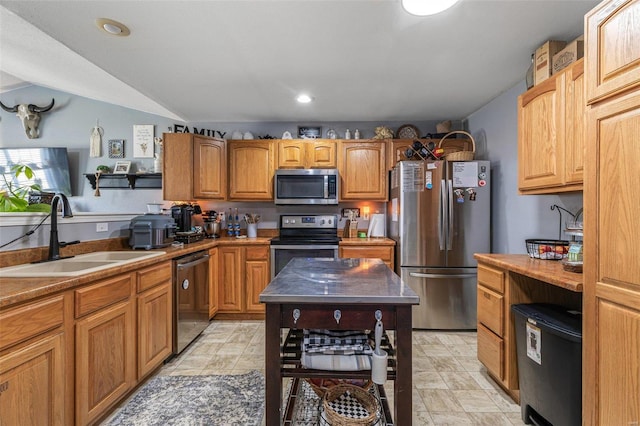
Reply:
x=450, y=386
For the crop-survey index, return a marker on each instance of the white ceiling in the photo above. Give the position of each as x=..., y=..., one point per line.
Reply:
x=245, y=60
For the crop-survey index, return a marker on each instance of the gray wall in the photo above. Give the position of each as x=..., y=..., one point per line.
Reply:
x=514, y=217
x=69, y=124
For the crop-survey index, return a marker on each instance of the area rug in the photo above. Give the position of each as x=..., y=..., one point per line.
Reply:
x=195, y=400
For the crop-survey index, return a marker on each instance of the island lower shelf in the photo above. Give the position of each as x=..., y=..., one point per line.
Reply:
x=291, y=366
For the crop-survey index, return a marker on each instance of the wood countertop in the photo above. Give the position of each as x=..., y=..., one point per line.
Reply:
x=367, y=242
x=549, y=271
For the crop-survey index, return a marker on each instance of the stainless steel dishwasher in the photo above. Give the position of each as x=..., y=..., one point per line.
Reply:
x=191, y=298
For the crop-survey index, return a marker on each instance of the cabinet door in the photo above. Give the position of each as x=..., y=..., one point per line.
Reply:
x=541, y=135
x=32, y=386
x=177, y=169
x=155, y=322
x=257, y=278
x=231, y=279
x=321, y=154
x=291, y=154
x=612, y=270
x=105, y=359
x=251, y=169
x=363, y=170
x=213, y=281
x=612, y=48
x=209, y=168
x=575, y=124
x=385, y=253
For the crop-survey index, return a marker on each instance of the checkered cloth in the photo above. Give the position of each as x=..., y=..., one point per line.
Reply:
x=330, y=342
x=348, y=406
x=336, y=350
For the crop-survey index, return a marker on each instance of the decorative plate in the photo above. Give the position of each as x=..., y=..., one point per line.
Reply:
x=407, y=131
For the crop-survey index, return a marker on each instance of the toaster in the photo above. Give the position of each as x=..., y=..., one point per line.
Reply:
x=151, y=231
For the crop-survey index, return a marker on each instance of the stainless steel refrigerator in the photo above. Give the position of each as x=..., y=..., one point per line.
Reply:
x=440, y=215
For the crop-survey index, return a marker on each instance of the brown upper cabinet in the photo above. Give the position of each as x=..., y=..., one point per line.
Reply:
x=251, y=170
x=551, y=134
x=613, y=49
x=195, y=167
x=362, y=165
x=306, y=154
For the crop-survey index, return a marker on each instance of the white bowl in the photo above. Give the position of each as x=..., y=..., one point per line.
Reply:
x=154, y=208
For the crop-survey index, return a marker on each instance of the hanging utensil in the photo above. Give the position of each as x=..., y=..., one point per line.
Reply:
x=97, y=193
x=95, y=140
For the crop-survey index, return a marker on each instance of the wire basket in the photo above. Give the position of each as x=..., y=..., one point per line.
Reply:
x=547, y=249
x=347, y=405
x=459, y=155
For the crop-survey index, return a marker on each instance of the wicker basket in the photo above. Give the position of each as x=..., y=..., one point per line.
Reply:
x=459, y=155
x=321, y=386
x=365, y=398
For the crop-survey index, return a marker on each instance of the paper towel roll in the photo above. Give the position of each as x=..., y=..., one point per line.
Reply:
x=379, y=368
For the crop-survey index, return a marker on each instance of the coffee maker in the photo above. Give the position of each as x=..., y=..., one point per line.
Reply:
x=183, y=215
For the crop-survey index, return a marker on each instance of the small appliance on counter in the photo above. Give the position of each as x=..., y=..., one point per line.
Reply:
x=211, y=224
x=151, y=231
x=183, y=216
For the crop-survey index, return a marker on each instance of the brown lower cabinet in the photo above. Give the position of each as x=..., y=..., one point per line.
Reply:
x=32, y=364
x=243, y=272
x=498, y=289
x=384, y=252
x=70, y=358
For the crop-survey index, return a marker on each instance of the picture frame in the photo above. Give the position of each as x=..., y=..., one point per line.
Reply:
x=143, y=141
x=122, y=167
x=116, y=148
x=309, y=132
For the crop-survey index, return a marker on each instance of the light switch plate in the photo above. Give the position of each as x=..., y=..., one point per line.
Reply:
x=345, y=212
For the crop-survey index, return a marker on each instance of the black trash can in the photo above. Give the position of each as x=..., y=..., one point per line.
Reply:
x=549, y=349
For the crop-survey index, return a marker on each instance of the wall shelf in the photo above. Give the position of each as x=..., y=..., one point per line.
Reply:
x=126, y=181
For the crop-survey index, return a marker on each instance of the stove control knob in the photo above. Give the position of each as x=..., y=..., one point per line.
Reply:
x=286, y=221
x=293, y=221
x=322, y=222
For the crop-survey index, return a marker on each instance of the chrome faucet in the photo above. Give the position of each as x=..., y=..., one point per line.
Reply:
x=54, y=244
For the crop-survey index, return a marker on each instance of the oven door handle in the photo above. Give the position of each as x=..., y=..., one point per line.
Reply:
x=304, y=247
x=193, y=262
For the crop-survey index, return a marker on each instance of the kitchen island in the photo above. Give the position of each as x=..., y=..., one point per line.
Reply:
x=312, y=293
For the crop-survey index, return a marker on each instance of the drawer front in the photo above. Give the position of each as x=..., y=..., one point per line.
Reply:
x=152, y=276
x=491, y=351
x=105, y=293
x=20, y=324
x=491, y=310
x=257, y=252
x=492, y=278
x=375, y=252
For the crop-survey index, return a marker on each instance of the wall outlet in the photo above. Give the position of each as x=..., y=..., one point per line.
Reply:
x=102, y=227
x=345, y=212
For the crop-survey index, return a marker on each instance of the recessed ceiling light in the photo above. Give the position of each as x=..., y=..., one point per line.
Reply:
x=427, y=7
x=112, y=27
x=304, y=99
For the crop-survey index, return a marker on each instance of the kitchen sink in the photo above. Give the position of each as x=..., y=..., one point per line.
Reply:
x=118, y=256
x=78, y=265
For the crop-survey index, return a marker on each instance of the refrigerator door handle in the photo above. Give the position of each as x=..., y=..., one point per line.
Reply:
x=441, y=215
x=450, y=215
x=419, y=275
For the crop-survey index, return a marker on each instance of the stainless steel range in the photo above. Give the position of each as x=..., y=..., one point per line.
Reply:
x=304, y=236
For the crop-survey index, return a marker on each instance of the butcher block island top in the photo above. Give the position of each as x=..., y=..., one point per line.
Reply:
x=324, y=280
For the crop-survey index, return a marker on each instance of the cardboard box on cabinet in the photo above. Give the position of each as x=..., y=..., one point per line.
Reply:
x=543, y=58
x=571, y=53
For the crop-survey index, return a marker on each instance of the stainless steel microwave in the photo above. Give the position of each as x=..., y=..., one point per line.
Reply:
x=306, y=186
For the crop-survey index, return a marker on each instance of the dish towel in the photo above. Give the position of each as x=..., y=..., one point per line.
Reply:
x=336, y=350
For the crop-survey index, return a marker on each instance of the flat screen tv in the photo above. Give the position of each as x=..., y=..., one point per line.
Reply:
x=50, y=167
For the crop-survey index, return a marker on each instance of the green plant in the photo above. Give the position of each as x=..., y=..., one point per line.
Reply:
x=14, y=196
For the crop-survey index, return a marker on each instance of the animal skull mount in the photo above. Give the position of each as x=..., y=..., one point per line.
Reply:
x=29, y=115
